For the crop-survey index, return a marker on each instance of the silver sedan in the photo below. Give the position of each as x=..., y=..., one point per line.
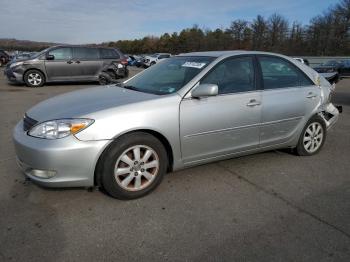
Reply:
x=187, y=110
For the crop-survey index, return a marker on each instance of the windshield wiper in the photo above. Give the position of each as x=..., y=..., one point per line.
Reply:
x=130, y=87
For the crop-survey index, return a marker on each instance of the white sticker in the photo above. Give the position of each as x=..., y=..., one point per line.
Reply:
x=193, y=64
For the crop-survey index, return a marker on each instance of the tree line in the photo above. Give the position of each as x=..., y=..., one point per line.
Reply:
x=326, y=34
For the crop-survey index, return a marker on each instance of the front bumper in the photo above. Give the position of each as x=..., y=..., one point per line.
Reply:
x=70, y=160
x=13, y=76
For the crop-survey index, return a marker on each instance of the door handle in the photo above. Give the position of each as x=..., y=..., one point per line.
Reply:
x=311, y=95
x=78, y=62
x=69, y=62
x=253, y=103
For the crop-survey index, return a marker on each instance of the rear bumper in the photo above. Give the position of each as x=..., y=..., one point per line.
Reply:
x=330, y=114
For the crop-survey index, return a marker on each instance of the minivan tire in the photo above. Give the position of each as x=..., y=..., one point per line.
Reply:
x=111, y=160
x=34, y=78
x=305, y=137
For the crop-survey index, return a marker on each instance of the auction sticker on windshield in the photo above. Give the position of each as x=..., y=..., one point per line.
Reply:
x=194, y=65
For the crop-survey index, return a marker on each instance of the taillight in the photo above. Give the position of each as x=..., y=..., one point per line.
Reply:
x=124, y=61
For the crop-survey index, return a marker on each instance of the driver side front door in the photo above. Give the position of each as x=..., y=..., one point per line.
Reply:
x=220, y=125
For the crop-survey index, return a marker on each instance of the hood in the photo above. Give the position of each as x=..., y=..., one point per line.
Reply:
x=87, y=101
x=15, y=60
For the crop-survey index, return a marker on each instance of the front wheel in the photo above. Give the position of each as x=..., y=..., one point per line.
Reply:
x=312, y=138
x=133, y=166
x=34, y=78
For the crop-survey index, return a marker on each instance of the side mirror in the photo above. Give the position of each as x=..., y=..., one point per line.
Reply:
x=205, y=90
x=50, y=57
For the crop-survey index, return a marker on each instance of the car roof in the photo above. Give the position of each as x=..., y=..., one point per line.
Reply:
x=104, y=47
x=227, y=53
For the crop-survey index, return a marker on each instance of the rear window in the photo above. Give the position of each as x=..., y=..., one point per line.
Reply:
x=85, y=53
x=109, y=53
x=279, y=73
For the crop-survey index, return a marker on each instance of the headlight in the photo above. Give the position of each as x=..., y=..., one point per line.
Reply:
x=16, y=64
x=331, y=70
x=60, y=128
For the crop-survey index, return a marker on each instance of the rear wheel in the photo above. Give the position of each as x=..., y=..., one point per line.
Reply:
x=34, y=78
x=104, y=79
x=133, y=166
x=312, y=138
x=153, y=63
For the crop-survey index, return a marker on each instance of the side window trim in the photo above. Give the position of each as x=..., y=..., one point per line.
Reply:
x=261, y=78
x=255, y=84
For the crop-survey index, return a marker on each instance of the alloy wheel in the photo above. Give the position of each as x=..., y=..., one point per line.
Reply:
x=136, y=168
x=34, y=79
x=313, y=137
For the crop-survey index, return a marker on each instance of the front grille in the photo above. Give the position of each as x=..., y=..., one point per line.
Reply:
x=28, y=123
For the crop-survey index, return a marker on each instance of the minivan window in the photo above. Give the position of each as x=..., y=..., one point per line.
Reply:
x=279, y=73
x=63, y=53
x=232, y=76
x=109, y=53
x=85, y=53
x=169, y=75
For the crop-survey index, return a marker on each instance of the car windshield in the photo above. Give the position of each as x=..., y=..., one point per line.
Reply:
x=168, y=76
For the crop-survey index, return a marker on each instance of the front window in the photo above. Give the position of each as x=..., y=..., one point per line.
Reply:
x=64, y=53
x=168, y=76
x=233, y=75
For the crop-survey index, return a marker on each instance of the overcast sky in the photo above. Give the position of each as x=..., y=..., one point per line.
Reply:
x=94, y=21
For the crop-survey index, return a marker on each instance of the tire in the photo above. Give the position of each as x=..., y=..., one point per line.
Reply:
x=104, y=79
x=1, y=62
x=34, y=78
x=140, y=173
x=153, y=63
x=314, y=132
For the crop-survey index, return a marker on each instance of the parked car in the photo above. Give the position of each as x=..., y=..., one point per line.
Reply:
x=63, y=63
x=4, y=58
x=153, y=59
x=302, y=60
x=330, y=70
x=112, y=72
x=188, y=110
x=23, y=55
x=344, y=70
x=134, y=60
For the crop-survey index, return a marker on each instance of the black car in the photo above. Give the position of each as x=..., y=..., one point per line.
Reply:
x=344, y=71
x=4, y=58
x=64, y=63
x=330, y=70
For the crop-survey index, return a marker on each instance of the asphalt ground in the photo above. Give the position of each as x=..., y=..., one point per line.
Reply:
x=272, y=206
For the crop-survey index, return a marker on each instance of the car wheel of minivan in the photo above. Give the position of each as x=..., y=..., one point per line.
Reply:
x=313, y=137
x=133, y=166
x=34, y=78
x=104, y=79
